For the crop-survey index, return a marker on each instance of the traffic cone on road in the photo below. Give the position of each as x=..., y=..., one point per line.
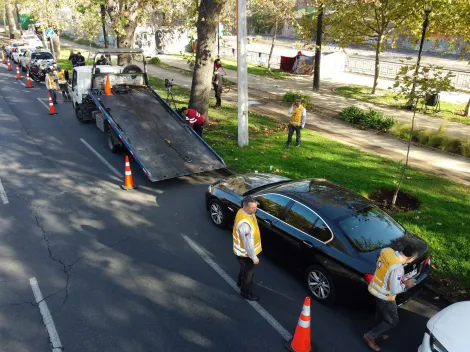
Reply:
x=128, y=181
x=18, y=75
x=9, y=68
x=3, y=58
x=301, y=341
x=51, y=105
x=107, y=86
x=28, y=81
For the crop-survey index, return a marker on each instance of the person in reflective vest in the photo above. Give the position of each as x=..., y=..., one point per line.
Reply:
x=247, y=245
x=298, y=117
x=63, y=84
x=388, y=281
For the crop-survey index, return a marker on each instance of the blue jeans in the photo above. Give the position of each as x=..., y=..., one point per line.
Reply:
x=53, y=95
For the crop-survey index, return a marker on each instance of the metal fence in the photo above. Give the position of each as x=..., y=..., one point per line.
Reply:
x=253, y=57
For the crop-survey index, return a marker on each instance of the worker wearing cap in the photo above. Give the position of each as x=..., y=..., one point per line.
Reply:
x=194, y=119
x=298, y=117
x=246, y=245
x=388, y=281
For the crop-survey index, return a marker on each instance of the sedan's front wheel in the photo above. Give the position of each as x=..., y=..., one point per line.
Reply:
x=320, y=284
x=217, y=213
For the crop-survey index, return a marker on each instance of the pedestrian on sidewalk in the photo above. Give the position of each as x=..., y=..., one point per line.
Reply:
x=388, y=281
x=73, y=58
x=217, y=82
x=51, y=85
x=298, y=118
x=247, y=246
x=194, y=119
x=80, y=59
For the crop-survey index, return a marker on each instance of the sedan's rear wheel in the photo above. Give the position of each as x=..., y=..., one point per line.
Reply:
x=320, y=284
x=217, y=213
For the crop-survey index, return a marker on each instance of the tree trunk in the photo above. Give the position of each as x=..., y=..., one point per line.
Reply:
x=18, y=16
x=378, y=48
x=10, y=18
x=276, y=25
x=55, y=43
x=103, y=23
x=316, y=71
x=467, y=108
x=208, y=13
x=126, y=41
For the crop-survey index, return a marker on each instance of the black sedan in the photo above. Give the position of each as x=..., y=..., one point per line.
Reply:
x=331, y=234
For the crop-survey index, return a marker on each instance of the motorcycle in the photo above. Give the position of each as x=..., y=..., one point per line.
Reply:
x=38, y=71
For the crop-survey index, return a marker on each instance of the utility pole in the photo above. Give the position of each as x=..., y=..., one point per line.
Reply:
x=242, y=74
x=316, y=72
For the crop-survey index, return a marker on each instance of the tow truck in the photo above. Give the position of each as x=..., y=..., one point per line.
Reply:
x=136, y=118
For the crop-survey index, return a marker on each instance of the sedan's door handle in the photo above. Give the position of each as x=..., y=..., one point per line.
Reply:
x=308, y=244
x=269, y=222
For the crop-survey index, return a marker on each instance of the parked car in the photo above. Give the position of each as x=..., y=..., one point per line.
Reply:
x=39, y=56
x=331, y=234
x=447, y=331
x=9, y=49
x=32, y=40
x=18, y=53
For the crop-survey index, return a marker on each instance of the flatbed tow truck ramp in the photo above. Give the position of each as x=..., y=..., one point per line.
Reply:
x=136, y=118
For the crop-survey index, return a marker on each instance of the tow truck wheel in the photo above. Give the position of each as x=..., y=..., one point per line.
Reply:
x=114, y=146
x=79, y=114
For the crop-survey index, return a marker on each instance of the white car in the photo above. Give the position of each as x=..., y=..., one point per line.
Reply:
x=18, y=53
x=32, y=40
x=10, y=49
x=448, y=330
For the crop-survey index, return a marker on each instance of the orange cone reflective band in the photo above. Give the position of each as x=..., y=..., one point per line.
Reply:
x=128, y=181
x=302, y=340
x=107, y=86
x=29, y=84
x=51, y=105
x=18, y=75
x=9, y=68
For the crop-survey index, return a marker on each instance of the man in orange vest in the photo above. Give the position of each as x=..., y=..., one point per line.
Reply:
x=247, y=245
x=298, y=117
x=388, y=281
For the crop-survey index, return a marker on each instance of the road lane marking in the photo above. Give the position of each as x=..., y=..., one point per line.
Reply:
x=98, y=155
x=46, y=316
x=4, y=66
x=3, y=194
x=256, y=306
x=22, y=83
x=43, y=103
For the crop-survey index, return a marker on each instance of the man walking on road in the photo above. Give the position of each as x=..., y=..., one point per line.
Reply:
x=298, y=118
x=51, y=85
x=247, y=245
x=388, y=281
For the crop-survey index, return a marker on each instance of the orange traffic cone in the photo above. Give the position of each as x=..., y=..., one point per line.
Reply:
x=29, y=84
x=128, y=181
x=301, y=341
x=51, y=105
x=107, y=86
x=9, y=68
x=18, y=75
x=3, y=58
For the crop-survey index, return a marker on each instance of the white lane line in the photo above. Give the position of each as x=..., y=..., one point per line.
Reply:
x=117, y=173
x=256, y=306
x=22, y=83
x=3, y=194
x=46, y=316
x=43, y=103
x=4, y=66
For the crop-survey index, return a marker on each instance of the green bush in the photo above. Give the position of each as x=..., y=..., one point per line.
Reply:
x=465, y=148
x=290, y=96
x=371, y=119
x=423, y=137
x=435, y=140
x=155, y=61
x=451, y=145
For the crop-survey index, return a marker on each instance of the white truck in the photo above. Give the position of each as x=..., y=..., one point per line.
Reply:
x=136, y=118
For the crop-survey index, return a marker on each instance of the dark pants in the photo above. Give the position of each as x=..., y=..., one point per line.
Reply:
x=386, y=316
x=291, y=129
x=53, y=96
x=198, y=128
x=65, y=91
x=218, y=94
x=245, y=276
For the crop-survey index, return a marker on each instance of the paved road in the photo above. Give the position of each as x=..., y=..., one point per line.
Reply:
x=115, y=268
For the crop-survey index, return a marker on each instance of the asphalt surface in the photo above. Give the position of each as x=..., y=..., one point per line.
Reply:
x=114, y=266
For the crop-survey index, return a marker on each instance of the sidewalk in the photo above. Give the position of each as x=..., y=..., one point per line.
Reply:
x=447, y=165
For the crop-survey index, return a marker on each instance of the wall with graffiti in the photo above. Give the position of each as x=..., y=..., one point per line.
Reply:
x=161, y=40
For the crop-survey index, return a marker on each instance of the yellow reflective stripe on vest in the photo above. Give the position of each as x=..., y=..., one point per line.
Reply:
x=380, y=283
x=238, y=246
x=296, y=118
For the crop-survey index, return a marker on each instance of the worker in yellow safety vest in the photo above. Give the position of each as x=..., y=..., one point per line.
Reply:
x=247, y=245
x=388, y=281
x=63, y=84
x=51, y=85
x=298, y=117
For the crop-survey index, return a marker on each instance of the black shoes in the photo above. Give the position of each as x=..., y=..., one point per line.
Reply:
x=250, y=297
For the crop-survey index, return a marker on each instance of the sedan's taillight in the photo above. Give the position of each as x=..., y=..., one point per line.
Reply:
x=369, y=277
x=14, y=50
x=427, y=261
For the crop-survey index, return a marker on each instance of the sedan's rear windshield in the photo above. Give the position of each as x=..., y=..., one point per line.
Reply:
x=371, y=229
x=42, y=56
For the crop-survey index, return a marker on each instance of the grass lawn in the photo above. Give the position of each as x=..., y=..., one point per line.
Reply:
x=253, y=69
x=442, y=219
x=386, y=97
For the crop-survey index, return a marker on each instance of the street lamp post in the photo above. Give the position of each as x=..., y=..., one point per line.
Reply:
x=427, y=11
